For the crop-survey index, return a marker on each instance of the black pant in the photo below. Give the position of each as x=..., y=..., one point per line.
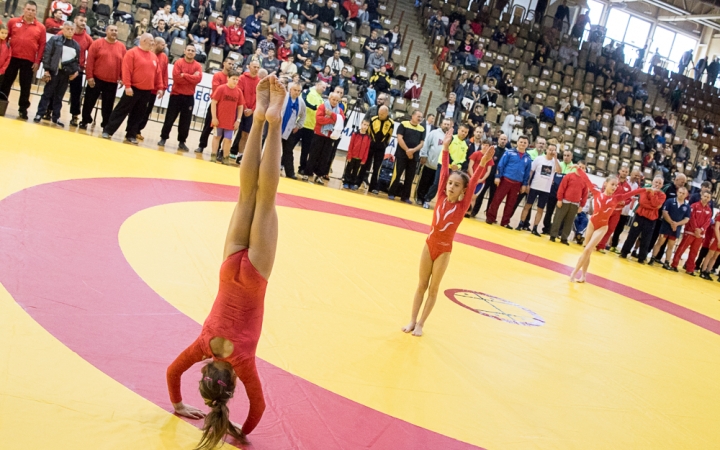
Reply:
x=322, y=147
x=53, y=93
x=76, y=88
x=564, y=218
x=207, y=130
x=288, y=157
x=427, y=178
x=331, y=158
x=352, y=172
x=9, y=10
x=643, y=227
x=489, y=186
x=618, y=231
x=104, y=90
x=181, y=105
x=403, y=165
x=147, y=111
x=134, y=107
x=376, y=154
x=549, y=211
x=305, y=136
x=24, y=68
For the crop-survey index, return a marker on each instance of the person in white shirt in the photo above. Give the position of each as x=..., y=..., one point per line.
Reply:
x=162, y=14
x=335, y=63
x=542, y=173
x=178, y=24
x=511, y=121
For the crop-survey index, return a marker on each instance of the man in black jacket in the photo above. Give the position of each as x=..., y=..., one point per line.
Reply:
x=595, y=127
x=61, y=66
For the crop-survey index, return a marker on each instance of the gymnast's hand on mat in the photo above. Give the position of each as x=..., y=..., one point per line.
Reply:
x=188, y=411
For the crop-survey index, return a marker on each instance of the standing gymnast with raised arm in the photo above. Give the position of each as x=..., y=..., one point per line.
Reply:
x=231, y=331
x=453, y=201
x=604, y=204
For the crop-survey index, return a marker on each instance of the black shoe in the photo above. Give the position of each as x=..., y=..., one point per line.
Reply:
x=161, y=143
x=199, y=150
x=37, y=119
x=58, y=123
x=562, y=241
x=132, y=140
x=651, y=262
x=692, y=274
x=238, y=158
x=508, y=227
x=219, y=156
x=641, y=262
x=182, y=147
x=83, y=126
x=489, y=223
x=74, y=121
x=23, y=115
x=623, y=256
x=552, y=239
x=47, y=116
x=535, y=233
x=634, y=254
x=705, y=276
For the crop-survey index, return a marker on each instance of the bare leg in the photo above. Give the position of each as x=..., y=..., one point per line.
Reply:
x=238, y=237
x=661, y=240
x=426, y=267
x=525, y=212
x=596, y=238
x=581, y=260
x=264, y=229
x=438, y=270
x=538, y=216
x=216, y=145
x=669, y=249
x=226, y=146
x=709, y=262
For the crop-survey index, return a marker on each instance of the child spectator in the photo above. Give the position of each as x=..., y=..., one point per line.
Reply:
x=4, y=52
x=357, y=156
x=713, y=249
x=227, y=106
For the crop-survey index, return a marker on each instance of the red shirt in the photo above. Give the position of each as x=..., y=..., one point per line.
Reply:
x=604, y=205
x=163, y=68
x=27, y=39
x=448, y=215
x=237, y=316
x=650, y=204
x=104, y=60
x=4, y=56
x=218, y=80
x=185, y=84
x=140, y=70
x=352, y=8
x=572, y=188
x=283, y=53
x=248, y=85
x=51, y=23
x=700, y=218
x=622, y=189
x=359, y=147
x=84, y=41
x=228, y=101
x=235, y=35
x=321, y=120
x=476, y=157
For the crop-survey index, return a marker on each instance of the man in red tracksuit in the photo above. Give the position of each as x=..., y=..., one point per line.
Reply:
x=622, y=188
x=248, y=83
x=643, y=223
x=158, y=47
x=187, y=73
x=140, y=76
x=572, y=195
x=103, y=71
x=27, y=45
x=694, y=233
x=76, y=85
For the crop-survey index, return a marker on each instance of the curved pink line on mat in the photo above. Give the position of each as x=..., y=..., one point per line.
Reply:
x=61, y=261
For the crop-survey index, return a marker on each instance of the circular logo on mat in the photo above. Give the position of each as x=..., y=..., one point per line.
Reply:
x=495, y=307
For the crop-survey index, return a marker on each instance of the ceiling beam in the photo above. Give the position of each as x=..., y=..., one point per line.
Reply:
x=682, y=13
x=688, y=17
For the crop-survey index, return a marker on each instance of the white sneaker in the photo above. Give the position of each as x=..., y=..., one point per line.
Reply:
x=426, y=205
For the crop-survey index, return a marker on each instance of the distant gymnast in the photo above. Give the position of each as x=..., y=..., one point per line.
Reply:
x=231, y=331
x=452, y=203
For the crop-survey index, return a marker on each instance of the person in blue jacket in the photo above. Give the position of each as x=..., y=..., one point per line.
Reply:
x=512, y=177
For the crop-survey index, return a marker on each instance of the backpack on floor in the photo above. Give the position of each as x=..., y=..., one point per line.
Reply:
x=386, y=173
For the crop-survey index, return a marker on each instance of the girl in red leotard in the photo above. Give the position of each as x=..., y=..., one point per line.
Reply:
x=449, y=212
x=230, y=334
x=603, y=206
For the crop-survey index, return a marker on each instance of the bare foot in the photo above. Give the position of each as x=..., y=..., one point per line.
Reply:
x=262, y=96
x=417, y=331
x=409, y=327
x=582, y=278
x=572, y=276
x=273, y=115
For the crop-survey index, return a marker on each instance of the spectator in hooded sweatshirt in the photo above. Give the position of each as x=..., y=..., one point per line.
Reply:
x=357, y=156
x=643, y=223
x=572, y=195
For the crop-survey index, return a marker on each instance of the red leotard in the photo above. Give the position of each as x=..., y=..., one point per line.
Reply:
x=604, y=205
x=448, y=215
x=237, y=316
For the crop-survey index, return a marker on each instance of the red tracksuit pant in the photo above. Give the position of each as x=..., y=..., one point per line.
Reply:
x=509, y=189
x=688, y=240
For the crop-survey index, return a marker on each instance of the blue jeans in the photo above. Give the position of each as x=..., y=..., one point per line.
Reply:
x=177, y=34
